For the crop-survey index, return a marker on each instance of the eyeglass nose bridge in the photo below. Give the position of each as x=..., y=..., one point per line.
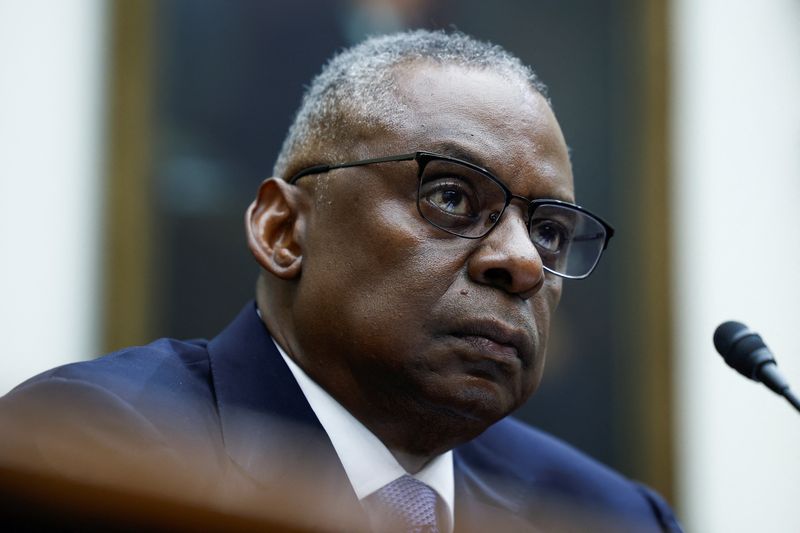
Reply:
x=526, y=215
x=530, y=207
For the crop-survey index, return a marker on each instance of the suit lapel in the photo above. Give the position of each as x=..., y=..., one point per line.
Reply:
x=483, y=504
x=269, y=430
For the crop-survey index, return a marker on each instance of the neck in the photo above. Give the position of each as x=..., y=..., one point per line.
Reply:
x=411, y=463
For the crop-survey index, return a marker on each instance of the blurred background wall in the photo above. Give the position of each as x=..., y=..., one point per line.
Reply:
x=53, y=122
x=134, y=133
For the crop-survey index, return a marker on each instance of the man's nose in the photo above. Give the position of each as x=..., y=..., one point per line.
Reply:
x=507, y=259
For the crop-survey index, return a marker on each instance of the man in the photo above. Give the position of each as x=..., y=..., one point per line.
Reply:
x=413, y=246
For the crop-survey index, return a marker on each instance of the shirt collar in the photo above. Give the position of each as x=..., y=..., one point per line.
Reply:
x=366, y=460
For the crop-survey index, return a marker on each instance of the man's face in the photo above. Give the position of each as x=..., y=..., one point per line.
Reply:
x=404, y=323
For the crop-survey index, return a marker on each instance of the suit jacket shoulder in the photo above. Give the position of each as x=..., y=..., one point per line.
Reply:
x=549, y=482
x=102, y=420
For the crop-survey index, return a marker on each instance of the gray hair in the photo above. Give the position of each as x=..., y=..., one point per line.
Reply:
x=354, y=95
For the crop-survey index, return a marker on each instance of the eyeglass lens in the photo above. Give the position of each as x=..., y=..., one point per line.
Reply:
x=466, y=202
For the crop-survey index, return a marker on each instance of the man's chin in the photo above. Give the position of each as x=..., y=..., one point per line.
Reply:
x=471, y=407
x=486, y=400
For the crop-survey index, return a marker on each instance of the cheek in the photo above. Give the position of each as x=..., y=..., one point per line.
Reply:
x=380, y=272
x=546, y=300
x=392, y=252
x=544, y=304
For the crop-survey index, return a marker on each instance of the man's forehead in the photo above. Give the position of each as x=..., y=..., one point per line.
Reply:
x=422, y=81
x=479, y=115
x=457, y=101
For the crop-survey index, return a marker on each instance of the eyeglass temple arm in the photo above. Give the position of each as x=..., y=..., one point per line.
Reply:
x=321, y=169
x=318, y=169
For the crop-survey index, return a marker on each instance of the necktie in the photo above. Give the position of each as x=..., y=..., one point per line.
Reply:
x=406, y=504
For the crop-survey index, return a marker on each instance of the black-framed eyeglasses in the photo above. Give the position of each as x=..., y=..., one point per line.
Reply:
x=466, y=200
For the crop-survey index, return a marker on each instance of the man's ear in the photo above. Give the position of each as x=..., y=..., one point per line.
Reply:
x=275, y=224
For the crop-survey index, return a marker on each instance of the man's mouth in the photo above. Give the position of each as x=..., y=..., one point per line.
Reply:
x=490, y=346
x=496, y=340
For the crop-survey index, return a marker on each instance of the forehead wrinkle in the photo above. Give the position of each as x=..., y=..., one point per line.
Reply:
x=461, y=151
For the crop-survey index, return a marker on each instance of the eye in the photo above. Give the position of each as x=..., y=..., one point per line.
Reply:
x=549, y=235
x=452, y=196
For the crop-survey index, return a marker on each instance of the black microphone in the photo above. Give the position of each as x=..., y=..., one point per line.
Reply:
x=745, y=351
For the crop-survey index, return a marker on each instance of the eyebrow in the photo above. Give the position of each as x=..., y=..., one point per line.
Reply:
x=454, y=149
x=459, y=151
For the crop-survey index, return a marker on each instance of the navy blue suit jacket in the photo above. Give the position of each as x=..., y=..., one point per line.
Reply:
x=234, y=403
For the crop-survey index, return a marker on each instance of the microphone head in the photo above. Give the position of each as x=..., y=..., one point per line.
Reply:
x=726, y=334
x=742, y=348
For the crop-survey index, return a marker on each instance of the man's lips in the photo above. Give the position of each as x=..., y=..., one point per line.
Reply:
x=484, y=344
x=496, y=339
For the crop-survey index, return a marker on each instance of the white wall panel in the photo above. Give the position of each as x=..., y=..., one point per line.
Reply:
x=736, y=255
x=51, y=93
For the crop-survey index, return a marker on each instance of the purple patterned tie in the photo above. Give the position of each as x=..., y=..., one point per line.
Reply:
x=406, y=504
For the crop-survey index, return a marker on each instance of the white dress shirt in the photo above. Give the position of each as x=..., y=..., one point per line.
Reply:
x=366, y=460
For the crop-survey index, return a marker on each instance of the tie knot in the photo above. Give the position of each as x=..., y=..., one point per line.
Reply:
x=405, y=504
